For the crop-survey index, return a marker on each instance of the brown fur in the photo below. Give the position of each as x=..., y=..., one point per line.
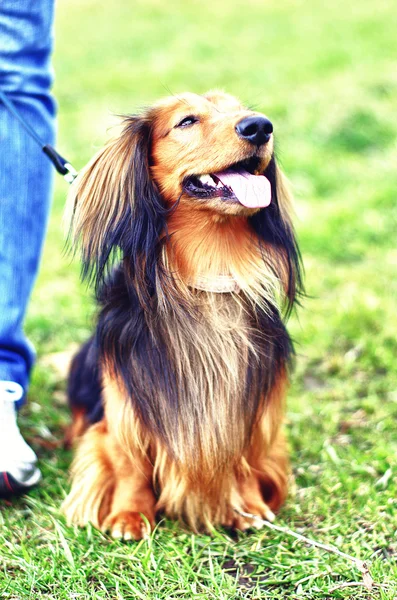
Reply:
x=220, y=454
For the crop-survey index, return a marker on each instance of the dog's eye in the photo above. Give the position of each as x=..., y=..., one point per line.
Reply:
x=187, y=121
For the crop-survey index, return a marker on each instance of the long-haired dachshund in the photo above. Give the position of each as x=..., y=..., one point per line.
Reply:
x=178, y=398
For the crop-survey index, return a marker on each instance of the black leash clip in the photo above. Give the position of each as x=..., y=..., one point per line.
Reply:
x=61, y=164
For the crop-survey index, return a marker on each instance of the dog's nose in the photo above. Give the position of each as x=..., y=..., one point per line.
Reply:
x=255, y=130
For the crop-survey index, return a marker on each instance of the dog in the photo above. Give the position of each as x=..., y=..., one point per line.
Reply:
x=184, y=225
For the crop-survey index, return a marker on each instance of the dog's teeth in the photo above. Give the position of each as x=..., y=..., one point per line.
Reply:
x=216, y=181
x=207, y=179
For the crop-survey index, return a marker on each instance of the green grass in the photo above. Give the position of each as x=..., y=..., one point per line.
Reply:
x=324, y=74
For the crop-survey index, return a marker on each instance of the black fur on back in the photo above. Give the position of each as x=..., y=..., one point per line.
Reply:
x=84, y=384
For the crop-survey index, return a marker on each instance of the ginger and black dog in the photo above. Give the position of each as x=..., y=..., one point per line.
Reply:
x=178, y=398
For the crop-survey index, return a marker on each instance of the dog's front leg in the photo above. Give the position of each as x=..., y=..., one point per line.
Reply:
x=263, y=485
x=132, y=496
x=110, y=487
x=264, y=488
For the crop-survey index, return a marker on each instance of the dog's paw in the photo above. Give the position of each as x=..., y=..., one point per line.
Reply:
x=127, y=525
x=261, y=510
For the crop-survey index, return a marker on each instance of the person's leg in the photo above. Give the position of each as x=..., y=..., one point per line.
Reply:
x=25, y=190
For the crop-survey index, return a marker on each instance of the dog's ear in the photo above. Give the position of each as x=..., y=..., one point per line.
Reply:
x=273, y=226
x=115, y=208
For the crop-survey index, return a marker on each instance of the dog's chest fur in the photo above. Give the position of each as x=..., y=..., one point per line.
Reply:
x=195, y=380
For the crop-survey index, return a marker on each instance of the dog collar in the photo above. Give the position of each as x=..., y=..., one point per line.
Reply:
x=221, y=284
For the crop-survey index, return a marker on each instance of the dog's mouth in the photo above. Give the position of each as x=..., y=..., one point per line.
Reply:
x=237, y=183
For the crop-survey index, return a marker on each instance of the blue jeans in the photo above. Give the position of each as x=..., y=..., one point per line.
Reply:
x=25, y=172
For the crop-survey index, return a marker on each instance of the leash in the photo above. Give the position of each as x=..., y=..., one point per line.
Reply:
x=62, y=165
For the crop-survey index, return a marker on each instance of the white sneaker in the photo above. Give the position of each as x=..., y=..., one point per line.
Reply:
x=18, y=462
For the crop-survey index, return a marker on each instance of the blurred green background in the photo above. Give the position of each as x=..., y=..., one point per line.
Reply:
x=326, y=76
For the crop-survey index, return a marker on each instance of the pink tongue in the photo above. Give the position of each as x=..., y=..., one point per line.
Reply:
x=252, y=191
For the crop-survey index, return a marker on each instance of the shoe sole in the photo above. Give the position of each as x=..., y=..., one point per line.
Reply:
x=9, y=486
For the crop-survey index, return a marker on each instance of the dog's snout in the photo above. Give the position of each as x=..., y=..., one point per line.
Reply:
x=255, y=130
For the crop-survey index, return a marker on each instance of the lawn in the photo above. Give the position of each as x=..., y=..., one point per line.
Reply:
x=324, y=74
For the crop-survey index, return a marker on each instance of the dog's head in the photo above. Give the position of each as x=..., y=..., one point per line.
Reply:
x=210, y=153
x=202, y=153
